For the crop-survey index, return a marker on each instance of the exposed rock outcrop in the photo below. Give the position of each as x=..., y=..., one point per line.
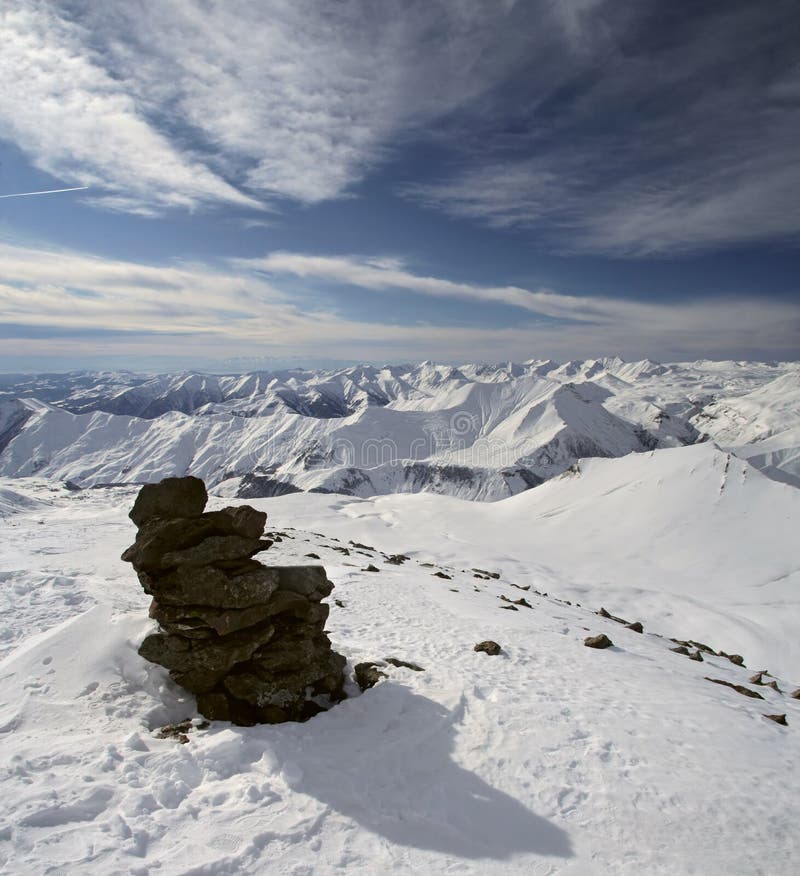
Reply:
x=248, y=640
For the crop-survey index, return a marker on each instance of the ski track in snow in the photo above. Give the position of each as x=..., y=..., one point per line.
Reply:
x=551, y=758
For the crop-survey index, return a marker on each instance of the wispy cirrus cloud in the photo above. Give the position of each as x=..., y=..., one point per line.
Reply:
x=188, y=103
x=82, y=124
x=677, y=132
x=91, y=306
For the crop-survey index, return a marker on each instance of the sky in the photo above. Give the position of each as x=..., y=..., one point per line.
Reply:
x=288, y=182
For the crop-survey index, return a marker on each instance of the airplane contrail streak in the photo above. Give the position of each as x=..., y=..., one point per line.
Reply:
x=48, y=192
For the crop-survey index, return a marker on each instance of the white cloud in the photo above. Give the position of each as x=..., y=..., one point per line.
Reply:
x=81, y=124
x=675, y=133
x=181, y=103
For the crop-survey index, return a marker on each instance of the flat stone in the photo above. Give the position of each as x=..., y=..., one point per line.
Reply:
x=208, y=586
x=243, y=520
x=198, y=666
x=171, y=497
x=219, y=622
x=215, y=549
x=161, y=535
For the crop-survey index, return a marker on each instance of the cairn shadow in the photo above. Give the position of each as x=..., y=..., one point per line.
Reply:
x=384, y=761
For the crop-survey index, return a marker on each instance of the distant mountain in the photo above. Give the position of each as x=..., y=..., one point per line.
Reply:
x=474, y=431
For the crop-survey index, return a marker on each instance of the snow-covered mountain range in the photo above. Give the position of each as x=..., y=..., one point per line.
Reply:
x=476, y=431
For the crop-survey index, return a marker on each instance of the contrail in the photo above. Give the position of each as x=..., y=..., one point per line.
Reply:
x=48, y=192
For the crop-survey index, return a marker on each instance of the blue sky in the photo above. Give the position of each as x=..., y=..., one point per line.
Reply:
x=293, y=182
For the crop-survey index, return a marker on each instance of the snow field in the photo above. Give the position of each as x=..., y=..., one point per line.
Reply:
x=550, y=758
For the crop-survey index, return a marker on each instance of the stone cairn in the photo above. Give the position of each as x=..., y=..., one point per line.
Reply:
x=247, y=639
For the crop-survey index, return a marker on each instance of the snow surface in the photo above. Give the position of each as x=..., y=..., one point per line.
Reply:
x=549, y=759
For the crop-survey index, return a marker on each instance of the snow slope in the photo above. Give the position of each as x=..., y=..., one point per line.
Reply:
x=549, y=759
x=476, y=432
x=693, y=539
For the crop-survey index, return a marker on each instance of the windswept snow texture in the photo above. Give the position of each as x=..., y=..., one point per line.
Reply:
x=475, y=432
x=550, y=758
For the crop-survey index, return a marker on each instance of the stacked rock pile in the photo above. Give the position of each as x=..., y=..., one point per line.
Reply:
x=248, y=640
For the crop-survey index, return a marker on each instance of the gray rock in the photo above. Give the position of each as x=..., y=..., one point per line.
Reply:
x=172, y=497
x=212, y=587
x=739, y=688
x=403, y=664
x=488, y=647
x=368, y=675
x=601, y=641
x=778, y=719
x=636, y=626
x=215, y=549
x=308, y=581
x=215, y=621
x=200, y=664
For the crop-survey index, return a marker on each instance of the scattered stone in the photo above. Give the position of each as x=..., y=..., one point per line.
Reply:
x=636, y=626
x=778, y=719
x=404, y=664
x=249, y=641
x=342, y=550
x=607, y=615
x=774, y=685
x=520, y=587
x=736, y=659
x=178, y=731
x=313, y=556
x=522, y=601
x=427, y=565
x=739, y=688
x=443, y=575
x=795, y=694
x=371, y=568
x=494, y=575
x=510, y=607
x=681, y=649
x=601, y=641
x=696, y=656
x=367, y=675
x=363, y=547
x=338, y=603
x=756, y=679
x=488, y=647
x=396, y=559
